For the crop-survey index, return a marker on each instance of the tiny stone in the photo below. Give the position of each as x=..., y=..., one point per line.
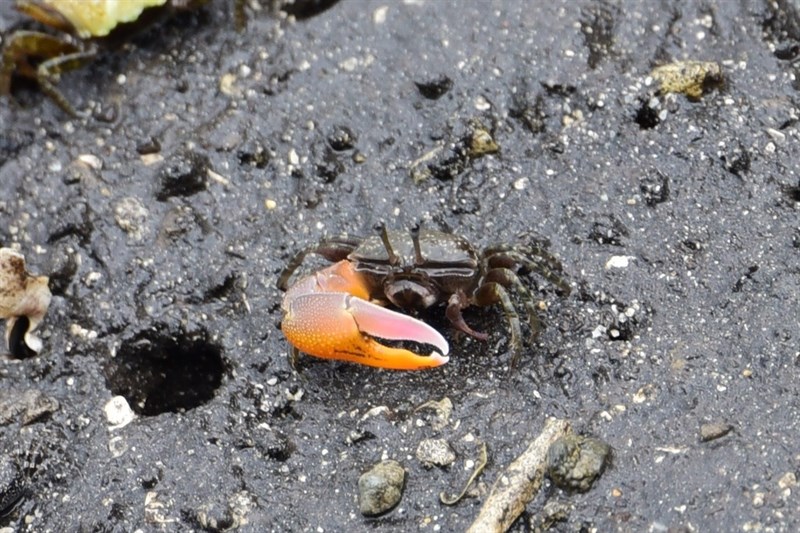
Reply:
x=342, y=138
x=714, y=430
x=92, y=161
x=777, y=136
x=787, y=481
x=482, y=104
x=618, y=261
x=118, y=412
x=435, y=452
x=758, y=499
x=520, y=184
x=148, y=147
x=130, y=214
x=379, y=15
x=151, y=159
x=117, y=446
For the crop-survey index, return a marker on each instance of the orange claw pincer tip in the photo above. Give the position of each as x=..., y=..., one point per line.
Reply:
x=338, y=325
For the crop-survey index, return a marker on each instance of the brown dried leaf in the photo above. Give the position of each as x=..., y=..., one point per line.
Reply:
x=22, y=294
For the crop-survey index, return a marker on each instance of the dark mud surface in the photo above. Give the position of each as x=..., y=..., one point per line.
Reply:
x=213, y=155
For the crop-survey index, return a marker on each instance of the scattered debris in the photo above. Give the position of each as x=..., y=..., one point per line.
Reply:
x=519, y=483
x=435, y=452
x=449, y=158
x=24, y=300
x=481, y=142
x=552, y=513
x=447, y=500
x=183, y=174
x=25, y=407
x=131, y=216
x=342, y=138
x=443, y=410
x=691, y=78
x=230, y=516
x=13, y=485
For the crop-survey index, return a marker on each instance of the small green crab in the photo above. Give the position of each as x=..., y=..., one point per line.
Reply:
x=84, y=23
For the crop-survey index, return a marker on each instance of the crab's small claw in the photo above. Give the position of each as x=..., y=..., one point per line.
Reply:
x=338, y=325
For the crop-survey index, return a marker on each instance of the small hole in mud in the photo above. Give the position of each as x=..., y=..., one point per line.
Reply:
x=647, y=117
x=161, y=373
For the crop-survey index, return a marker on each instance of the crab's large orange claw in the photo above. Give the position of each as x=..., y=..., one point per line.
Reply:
x=338, y=325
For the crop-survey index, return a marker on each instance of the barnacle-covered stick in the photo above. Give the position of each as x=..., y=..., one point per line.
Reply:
x=21, y=295
x=518, y=483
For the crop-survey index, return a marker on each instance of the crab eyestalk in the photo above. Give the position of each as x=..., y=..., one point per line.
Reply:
x=418, y=258
x=393, y=258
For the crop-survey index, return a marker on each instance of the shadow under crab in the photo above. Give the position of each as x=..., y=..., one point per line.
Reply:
x=412, y=271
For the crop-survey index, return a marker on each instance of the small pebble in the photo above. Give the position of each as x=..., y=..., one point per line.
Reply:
x=714, y=430
x=380, y=488
x=118, y=413
x=787, y=481
x=131, y=215
x=117, y=446
x=435, y=452
x=575, y=461
x=342, y=138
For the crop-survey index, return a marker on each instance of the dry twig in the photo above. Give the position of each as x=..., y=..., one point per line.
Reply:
x=519, y=483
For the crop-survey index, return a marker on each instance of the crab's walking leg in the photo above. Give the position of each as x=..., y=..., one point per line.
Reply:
x=327, y=315
x=507, y=278
x=537, y=260
x=49, y=72
x=63, y=56
x=493, y=292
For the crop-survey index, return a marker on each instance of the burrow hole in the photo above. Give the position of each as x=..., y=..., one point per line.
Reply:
x=158, y=372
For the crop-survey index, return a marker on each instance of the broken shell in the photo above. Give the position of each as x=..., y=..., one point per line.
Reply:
x=23, y=299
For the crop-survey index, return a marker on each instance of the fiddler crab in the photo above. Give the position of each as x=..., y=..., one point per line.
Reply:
x=338, y=312
x=84, y=23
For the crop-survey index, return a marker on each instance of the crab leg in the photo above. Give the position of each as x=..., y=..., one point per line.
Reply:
x=327, y=315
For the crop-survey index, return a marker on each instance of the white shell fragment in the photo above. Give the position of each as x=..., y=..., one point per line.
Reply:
x=619, y=261
x=21, y=295
x=118, y=413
